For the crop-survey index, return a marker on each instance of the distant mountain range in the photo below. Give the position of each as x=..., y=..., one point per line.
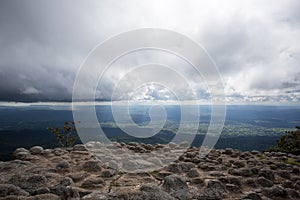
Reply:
x=246, y=127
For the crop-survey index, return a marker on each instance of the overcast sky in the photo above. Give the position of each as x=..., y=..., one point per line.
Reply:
x=255, y=44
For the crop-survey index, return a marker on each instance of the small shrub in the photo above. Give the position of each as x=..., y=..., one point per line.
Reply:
x=66, y=136
x=288, y=143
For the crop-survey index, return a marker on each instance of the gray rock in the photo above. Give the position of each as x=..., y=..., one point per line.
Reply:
x=293, y=193
x=151, y=192
x=238, y=164
x=252, y=196
x=220, y=160
x=63, y=166
x=21, y=154
x=36, y=150
x=215, y=190
x=186, y=166
x=18, y=150
x=184, y=144
x=59, y=151
x=252, y=162
x=172, y=145
x=47, y=152
x=296, y=171
x=137, y=165
x=57, y=190
x=287, y=184
x=76, y=177
x=241, y=172
x=228, y=151
x=71, y=193
x=275, y=192
x=262, y=181
x=191, y=154
x=273, y=167
x=197, y=181
x=93, y=183
x=268, y=174
x=297, y=185
x=43, y=190
x=28, y=181
x=67, y=181
x=9, y=189
x=149, y=147
x=135, y=144
x=79, y=147
x=176, y=186
x=44, y=197
x=113, y=164
x=138, y=149
x=107, y=173
x=254, y=170
x=207, y=167
x=174, y=167
x=216, y=173
x=284, y=174
x=254, y=152
x=95, y=196
x=250, y=182
x=161, y=175
x=235, y=154
x=231, y=180
x=92, y=166
x=81, y=191
x=233, y=188
x=193, y=173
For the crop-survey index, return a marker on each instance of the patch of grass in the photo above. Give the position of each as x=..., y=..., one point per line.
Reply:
x=291, y=162
x=264, y=161
x=113, y=182
x=120, y=173
x=261, y=157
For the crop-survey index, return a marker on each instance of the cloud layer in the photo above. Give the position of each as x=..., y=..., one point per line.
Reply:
x=255, y=44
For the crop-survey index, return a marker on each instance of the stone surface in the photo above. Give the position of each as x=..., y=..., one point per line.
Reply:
x=215, y=190
x=262, y=181
x=154, y=192
x=36, y=150
x=193, y=173
x=176, y=186
x=275, y=192
x=170, y=172
x=252, y=196
x=94, y=182
x=92, y=166
x=9, y=189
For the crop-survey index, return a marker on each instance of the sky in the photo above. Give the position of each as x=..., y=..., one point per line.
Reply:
x=254, y=44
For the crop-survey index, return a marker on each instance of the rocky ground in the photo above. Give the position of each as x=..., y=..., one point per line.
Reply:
x=75, y=173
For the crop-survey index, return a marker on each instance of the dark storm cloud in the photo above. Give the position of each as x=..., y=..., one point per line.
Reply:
x=254, y=43
x=42, y=45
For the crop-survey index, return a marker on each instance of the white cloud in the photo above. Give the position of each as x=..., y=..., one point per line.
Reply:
x=254, y=43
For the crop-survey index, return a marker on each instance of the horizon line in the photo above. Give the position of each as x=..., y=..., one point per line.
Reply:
x=152, y=102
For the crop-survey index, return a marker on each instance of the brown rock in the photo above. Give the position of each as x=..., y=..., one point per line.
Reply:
x=9, y=189
x=262, y=181
x=92, y=166
x=252, y=196
x=36, y=150
x=193, y=173
x=215, y=190
x=177, y=187
x=93, y=183
x=44, y=197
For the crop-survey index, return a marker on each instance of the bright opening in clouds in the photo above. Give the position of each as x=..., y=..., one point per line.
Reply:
x=255, y=44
